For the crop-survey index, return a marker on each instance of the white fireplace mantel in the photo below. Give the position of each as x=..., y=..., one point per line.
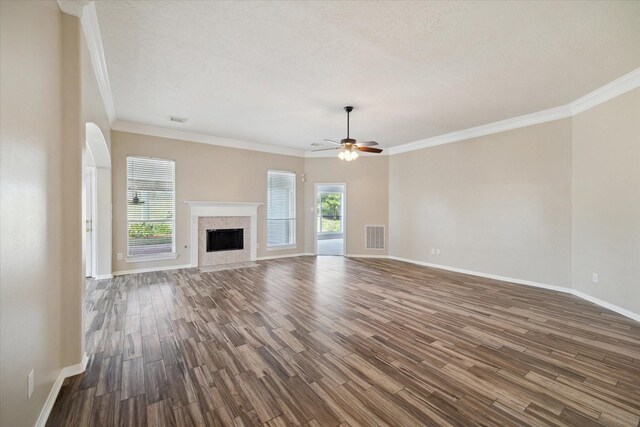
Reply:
x=204, y=208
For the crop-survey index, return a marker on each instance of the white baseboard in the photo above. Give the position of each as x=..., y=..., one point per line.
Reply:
x=264, y=258
x=366, y=256
x=151, y=269
x=612, y=307
x=568, y=290
x=103, y=276
x=67, y=371
x=579, y=294
x=486, y=275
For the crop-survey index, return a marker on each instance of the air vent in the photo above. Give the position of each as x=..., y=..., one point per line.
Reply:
x=177, y=119
x=374, y=236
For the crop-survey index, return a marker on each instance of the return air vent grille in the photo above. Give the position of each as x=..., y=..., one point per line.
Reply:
x=374, y=236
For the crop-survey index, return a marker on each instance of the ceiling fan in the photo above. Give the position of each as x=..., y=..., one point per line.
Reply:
x=349, y=147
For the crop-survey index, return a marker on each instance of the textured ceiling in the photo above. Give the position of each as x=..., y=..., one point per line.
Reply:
x=280, y=72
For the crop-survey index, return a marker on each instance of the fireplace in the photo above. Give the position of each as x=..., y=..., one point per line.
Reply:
x=228, y=239
x=223, y=216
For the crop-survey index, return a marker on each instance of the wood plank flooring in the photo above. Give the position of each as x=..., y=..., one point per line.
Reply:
x=333, y=341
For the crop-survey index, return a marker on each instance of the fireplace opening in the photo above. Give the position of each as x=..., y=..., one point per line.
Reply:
x=229, y=239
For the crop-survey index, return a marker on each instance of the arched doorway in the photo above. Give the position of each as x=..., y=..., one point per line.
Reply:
x=97, y=204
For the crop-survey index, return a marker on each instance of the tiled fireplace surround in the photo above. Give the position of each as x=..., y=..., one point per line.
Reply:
x=223, y=257
x=218, y=215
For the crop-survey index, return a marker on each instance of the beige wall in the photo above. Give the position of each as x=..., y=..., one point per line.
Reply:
x=72, y=194
x=498, y=204
x=31, y=206
x=203, y=172
x=367, y=181
x=606, y=201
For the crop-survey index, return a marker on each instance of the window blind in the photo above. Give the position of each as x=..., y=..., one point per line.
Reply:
x=150, y=206
x=281, y=209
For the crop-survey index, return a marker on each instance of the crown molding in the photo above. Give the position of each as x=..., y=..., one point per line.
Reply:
x=86, y=11
x=488, y=129
x=609, y=91
x=72, y=7
x=161, y=132
x=332, y=153
x=624, y=84
x=91, y=30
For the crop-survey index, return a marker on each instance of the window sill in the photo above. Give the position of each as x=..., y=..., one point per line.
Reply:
x=159, y=257
x=281, y=247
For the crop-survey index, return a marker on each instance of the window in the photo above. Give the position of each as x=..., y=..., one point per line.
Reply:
x=150, y=207
x=281, y=209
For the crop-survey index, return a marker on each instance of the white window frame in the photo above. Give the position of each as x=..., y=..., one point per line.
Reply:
x=295, y=211
x=155, y=257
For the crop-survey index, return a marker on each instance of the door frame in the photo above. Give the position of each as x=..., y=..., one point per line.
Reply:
x=91, y=205
x=344, y=215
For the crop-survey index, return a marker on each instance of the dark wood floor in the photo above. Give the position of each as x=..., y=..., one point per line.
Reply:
x=332, y=341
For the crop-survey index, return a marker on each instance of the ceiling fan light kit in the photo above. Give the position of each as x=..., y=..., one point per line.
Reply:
x=348, y=155
x=349, y=147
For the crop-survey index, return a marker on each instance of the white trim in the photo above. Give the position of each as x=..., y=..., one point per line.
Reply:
x=264, y=258
x=615, y=88
x=103, y=277
x=488, y=129
x=366, y=256
x=222, y=204
x=72, y=7
x=486, y=275
x=281, y=247
x=91, y=28
x=334, y=153
x=161, y=132
x=622, y=311
x=622, y=85
x=65, y=372
x=86, y=11
x=611, y=90
x=151, y=269
x=608, y=305
x=157, y=257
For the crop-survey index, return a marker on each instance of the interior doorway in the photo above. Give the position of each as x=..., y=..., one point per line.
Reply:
x=89, y=215
x=330, y=230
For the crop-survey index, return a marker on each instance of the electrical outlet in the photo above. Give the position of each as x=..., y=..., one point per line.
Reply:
x=433, y=251
x=31, y=379
x=594, y=278
x=119, y=255
x=438, y=252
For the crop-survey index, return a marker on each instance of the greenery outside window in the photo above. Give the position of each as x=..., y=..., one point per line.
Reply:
x=150, y=207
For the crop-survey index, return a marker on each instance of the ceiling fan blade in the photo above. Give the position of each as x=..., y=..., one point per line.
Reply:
x=366, y=143
x=327, y=149
x=369, y=150
x=332, y=141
